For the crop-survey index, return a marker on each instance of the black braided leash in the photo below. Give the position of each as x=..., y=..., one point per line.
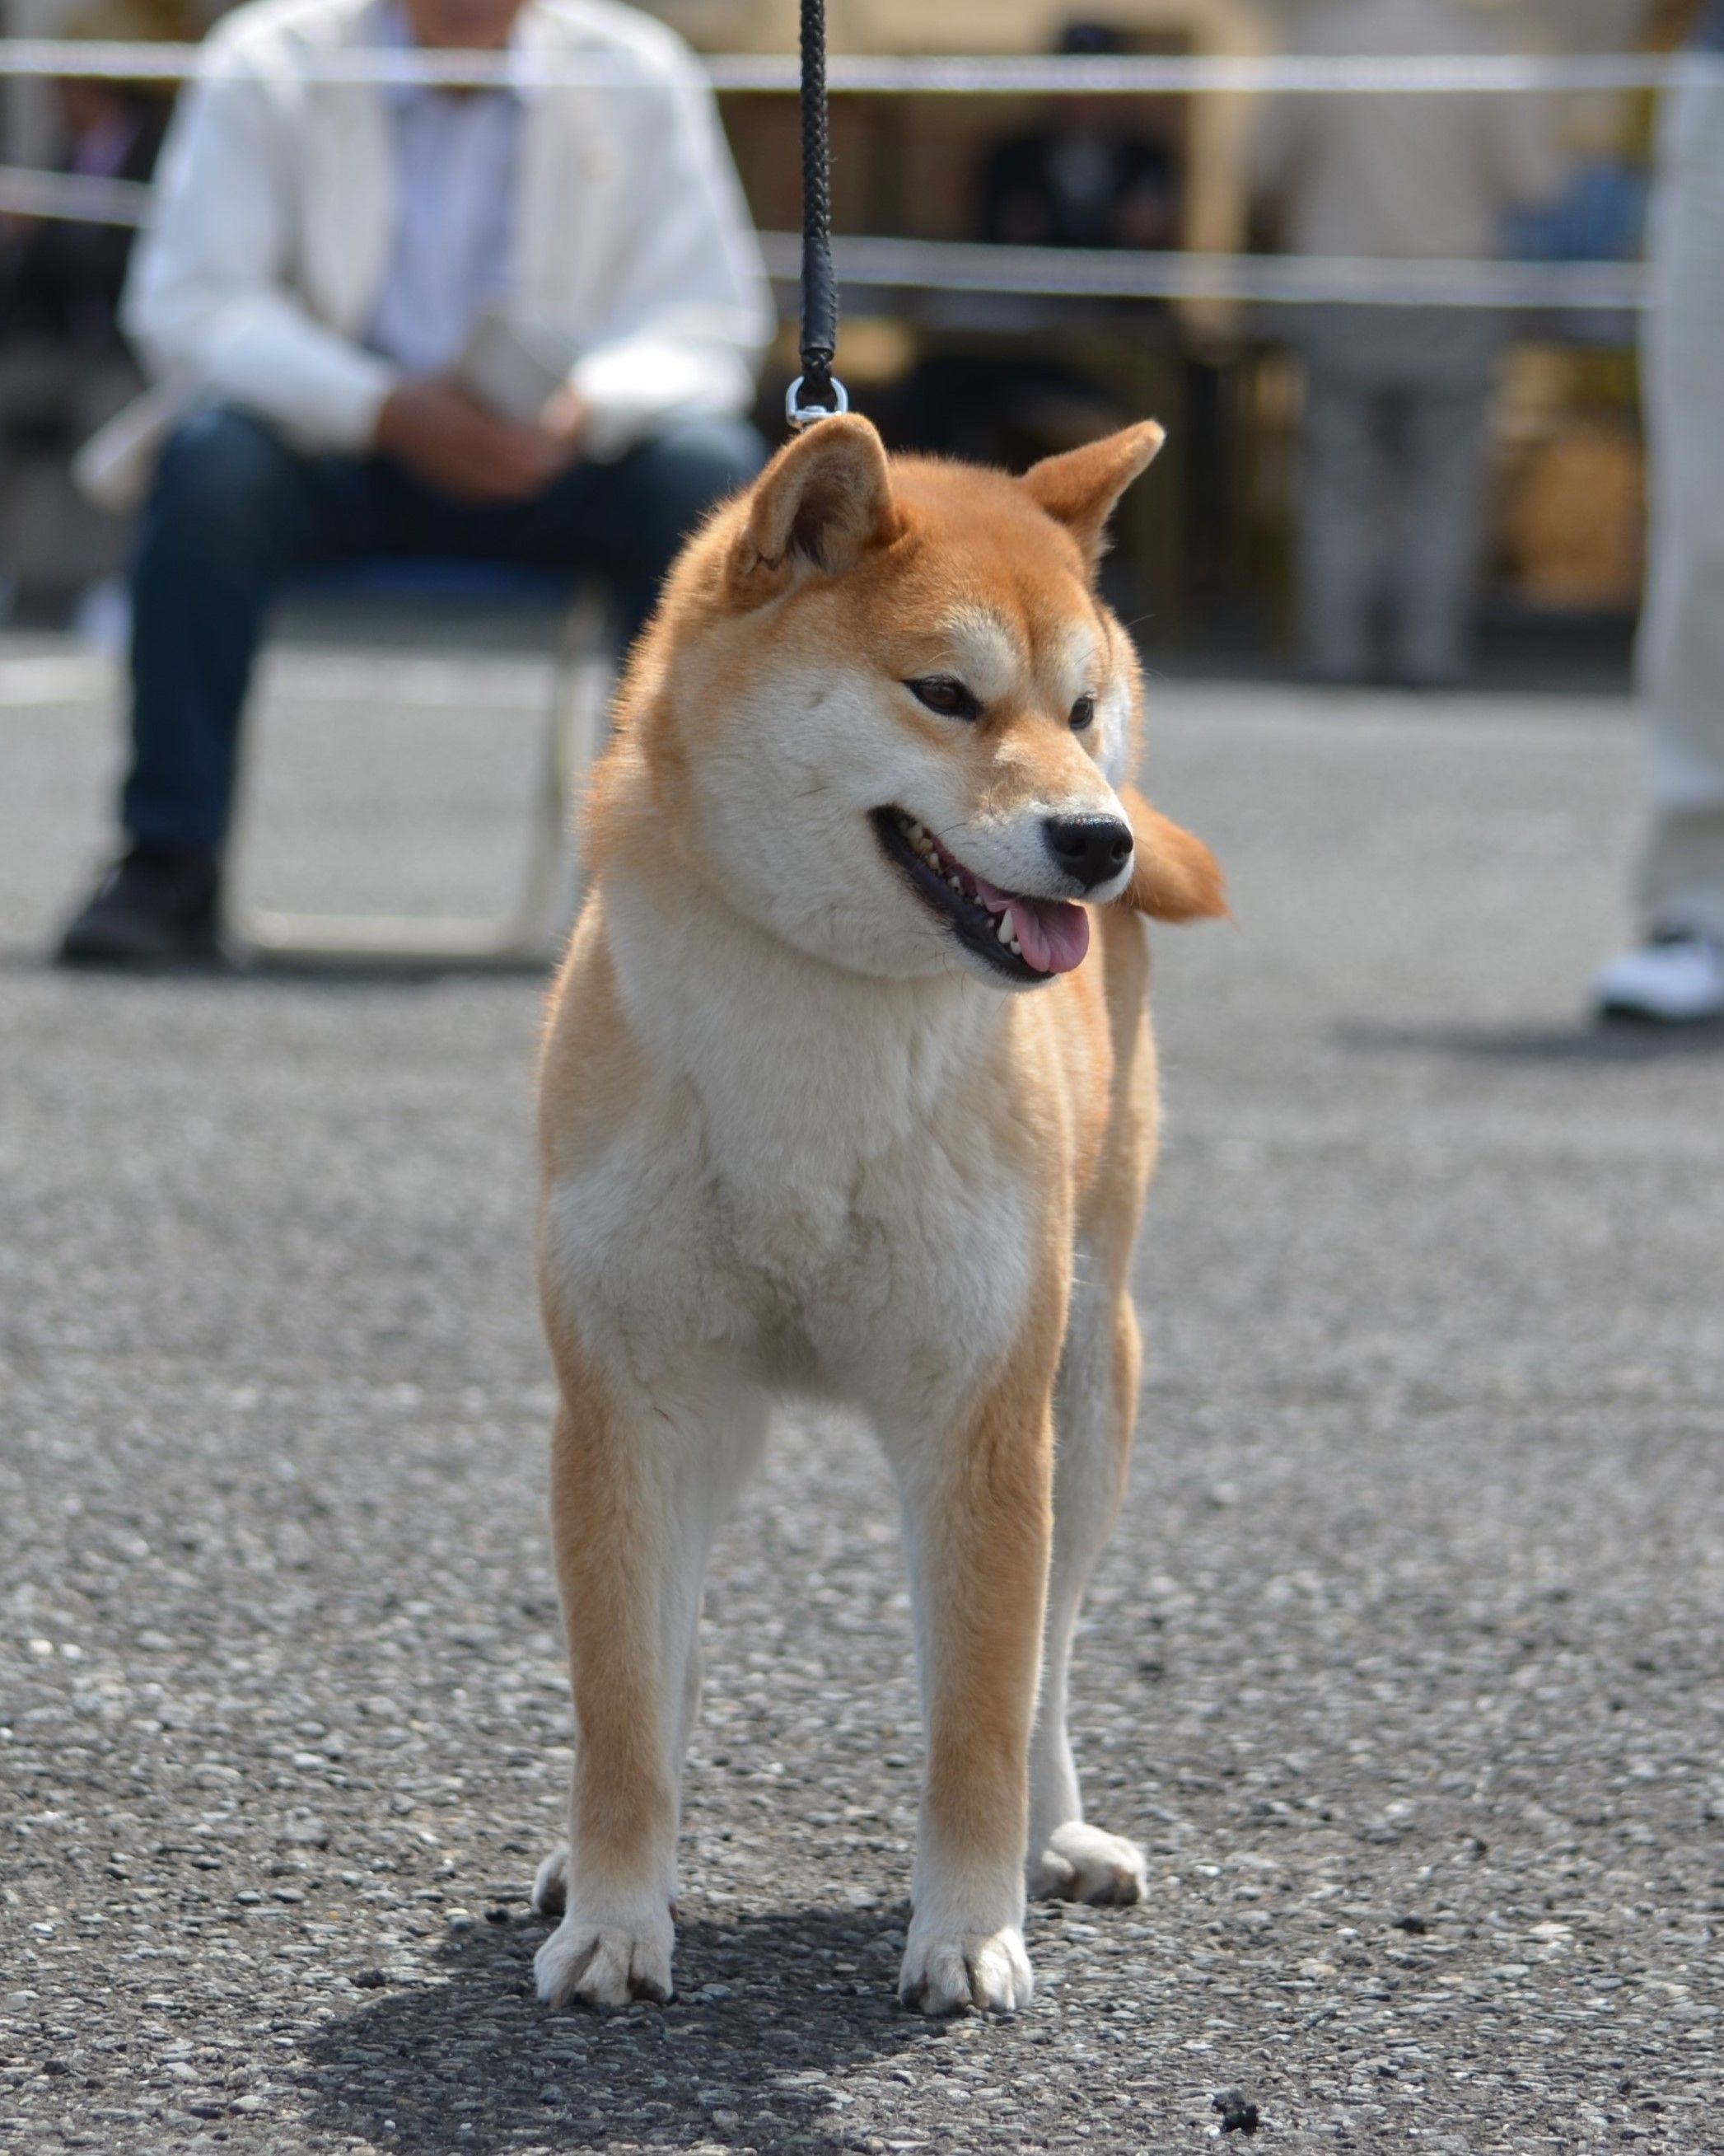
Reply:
x=816, y=393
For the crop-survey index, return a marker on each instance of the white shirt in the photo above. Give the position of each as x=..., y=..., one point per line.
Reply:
x=260, y=280
x=457, y=159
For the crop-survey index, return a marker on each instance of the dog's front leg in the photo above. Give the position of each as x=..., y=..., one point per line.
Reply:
x=638, y=1486
x=976, y=1505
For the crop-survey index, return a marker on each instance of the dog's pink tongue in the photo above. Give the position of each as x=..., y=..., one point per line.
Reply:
x=1052, y=935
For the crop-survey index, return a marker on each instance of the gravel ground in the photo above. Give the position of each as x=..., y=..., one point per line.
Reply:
x=1404, y=1665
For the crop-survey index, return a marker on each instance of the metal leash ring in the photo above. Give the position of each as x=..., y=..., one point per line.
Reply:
x=799, y=415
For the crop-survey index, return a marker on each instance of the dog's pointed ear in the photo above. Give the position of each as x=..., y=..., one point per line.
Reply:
x=824, y=500
x=1174, y=875
x=1080, y=487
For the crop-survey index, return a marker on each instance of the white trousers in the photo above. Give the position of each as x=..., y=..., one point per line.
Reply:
x=1681, y=651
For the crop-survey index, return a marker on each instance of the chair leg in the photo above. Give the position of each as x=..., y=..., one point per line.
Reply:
x=580, y=696
x=525, y=934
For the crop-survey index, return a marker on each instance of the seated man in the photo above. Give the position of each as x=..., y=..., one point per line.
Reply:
x=347, y=291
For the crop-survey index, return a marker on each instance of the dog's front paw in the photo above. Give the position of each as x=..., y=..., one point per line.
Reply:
x=550, y=1882
x=950, y=1972
x=1080, y=1863
x=606, y=1962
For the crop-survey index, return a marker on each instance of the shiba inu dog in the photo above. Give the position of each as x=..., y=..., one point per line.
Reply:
x=849, y=1091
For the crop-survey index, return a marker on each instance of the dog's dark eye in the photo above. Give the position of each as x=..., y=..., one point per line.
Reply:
x=1083, y=713
x=941, y=693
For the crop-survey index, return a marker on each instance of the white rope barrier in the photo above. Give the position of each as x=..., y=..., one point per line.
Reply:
x=1266, y=280
x=79, y=198
x=912, y=265
x=928, y=266
x=1212, y=74
x=1160, y=75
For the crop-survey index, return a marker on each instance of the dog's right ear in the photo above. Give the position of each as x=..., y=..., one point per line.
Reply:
x=823, y=501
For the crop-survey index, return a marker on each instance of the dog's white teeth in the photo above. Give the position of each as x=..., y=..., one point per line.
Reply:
x=956, y=884
x=1004, y=931
x=1014, y=948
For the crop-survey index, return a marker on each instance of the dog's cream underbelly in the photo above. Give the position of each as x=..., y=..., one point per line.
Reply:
x=896, y=1282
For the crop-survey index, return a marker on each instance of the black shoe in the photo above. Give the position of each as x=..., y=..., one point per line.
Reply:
x=156, y=907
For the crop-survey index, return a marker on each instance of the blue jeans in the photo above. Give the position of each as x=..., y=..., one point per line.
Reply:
x=235, y=513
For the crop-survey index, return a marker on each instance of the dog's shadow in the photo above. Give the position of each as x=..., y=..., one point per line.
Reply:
x=766, y=2007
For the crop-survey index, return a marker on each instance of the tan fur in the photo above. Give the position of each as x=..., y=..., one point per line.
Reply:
x=1080, y=488
x=797, y=1137
x=1174, y=876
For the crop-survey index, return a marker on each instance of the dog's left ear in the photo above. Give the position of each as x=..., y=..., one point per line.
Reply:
x=822, y=503
x=1174, y=875
x=1080, y=487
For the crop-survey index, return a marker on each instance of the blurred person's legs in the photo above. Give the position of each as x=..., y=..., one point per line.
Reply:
x=1341, y=482
x=1677, y=972
x=1442, y=444
x=1393, y=486
x=1681, y=654
x=233, y=515
x=233, y=512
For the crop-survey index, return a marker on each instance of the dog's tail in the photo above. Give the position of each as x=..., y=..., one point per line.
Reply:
x=1174, y=875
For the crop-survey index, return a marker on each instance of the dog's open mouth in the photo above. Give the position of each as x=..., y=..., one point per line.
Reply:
x=1025, y=939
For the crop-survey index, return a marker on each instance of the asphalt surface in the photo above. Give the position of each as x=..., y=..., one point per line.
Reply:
x=1405, y=1664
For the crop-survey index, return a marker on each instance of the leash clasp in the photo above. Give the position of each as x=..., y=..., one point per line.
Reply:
x=799, y=415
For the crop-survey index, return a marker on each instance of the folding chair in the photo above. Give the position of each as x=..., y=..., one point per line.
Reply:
x=570, y=622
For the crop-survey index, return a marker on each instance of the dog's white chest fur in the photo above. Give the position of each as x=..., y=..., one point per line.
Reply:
x=810, y=1192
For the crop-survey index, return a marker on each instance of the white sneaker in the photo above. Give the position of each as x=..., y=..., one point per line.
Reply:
x=1675, y=977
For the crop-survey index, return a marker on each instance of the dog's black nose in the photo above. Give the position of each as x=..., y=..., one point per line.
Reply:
x=1090, y=848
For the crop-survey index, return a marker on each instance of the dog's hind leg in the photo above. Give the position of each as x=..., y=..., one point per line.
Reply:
x=639, y=1485
x=1096, y=1405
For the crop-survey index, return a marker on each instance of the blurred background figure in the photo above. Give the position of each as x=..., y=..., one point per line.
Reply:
x=515, y=324
x=1089, y=178
x=1090, y=174
x=1677, y=974
x=1395, y=434
x=64, y=367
